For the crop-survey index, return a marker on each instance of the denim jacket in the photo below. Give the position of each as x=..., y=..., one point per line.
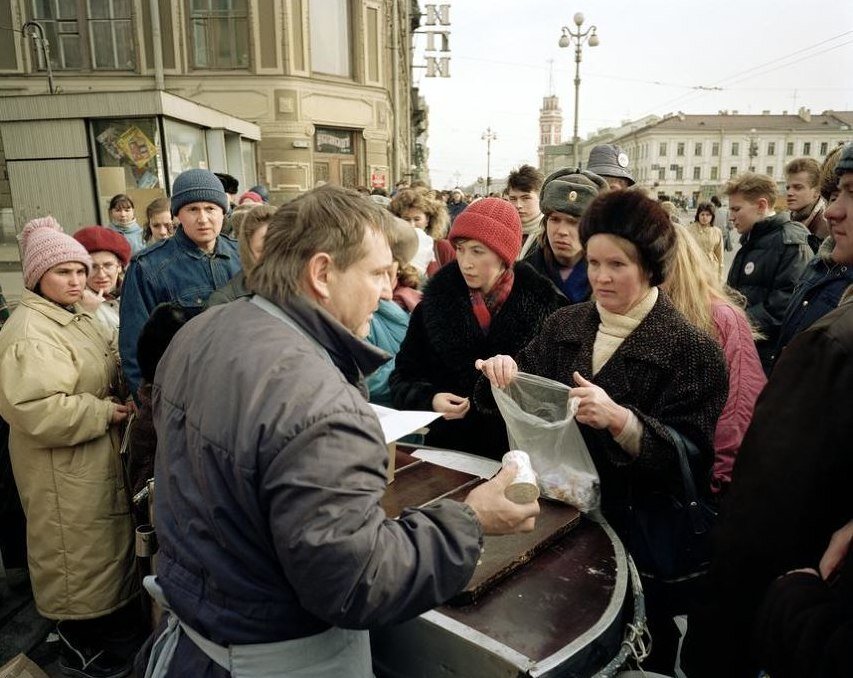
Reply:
x=173, y=270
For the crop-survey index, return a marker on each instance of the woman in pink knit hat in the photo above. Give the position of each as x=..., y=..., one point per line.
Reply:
x=59, y=375
x=482, y=303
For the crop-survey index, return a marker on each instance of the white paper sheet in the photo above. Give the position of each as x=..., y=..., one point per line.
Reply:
x=398, y=423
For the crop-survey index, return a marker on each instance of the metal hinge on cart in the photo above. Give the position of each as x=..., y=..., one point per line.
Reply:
x=637, y=643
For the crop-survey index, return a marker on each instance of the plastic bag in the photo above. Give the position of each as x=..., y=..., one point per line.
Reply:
x=540, y=419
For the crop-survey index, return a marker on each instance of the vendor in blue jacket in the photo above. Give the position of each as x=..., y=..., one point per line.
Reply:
x=185, y=268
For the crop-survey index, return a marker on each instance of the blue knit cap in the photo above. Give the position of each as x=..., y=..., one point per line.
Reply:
x=198, y=185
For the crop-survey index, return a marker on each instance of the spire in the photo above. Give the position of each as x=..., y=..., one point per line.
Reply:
x=550, y=77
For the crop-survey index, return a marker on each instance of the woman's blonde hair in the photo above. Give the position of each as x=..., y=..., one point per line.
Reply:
x=253, y=219
x=421, y=199
x=693, y=285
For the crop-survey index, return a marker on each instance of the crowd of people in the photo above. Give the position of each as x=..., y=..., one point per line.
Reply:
x=245, y=342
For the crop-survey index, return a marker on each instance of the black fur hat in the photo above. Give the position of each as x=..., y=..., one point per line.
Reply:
x=637, y=219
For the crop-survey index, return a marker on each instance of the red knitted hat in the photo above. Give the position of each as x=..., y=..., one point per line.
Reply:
x=44, y=245
x=100, y=239
x=495, y=223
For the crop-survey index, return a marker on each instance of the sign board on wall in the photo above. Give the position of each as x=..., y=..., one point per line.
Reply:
x=438, y=41
x=378, y=177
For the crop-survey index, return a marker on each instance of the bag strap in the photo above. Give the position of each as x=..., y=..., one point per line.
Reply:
x=694, y=511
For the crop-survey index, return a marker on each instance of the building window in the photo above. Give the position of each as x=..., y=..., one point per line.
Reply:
x=735, y=148
x=697, y=148
x=330, y=37
x=86, y=34
x=662, y=149
x=715, y=149
x=769, y=171
x=679, y=172
x=732, y=172
x=697, y=173
x=789, y=148
x=220, y=33
x=715, y=175
x=824, y=147
x=679, y=149
x=807, y=148
x=661, y=173
x=771, y=148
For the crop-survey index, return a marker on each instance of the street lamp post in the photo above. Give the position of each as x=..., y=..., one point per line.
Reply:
x=489, y=137
x=579, y=38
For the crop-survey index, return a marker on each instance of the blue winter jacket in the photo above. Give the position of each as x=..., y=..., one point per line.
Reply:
x=387, y=331
x=816, y=294
x=170, y=270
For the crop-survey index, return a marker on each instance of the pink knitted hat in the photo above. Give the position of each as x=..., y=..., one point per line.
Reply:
x=44, y=245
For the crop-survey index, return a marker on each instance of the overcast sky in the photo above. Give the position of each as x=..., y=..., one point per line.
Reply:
x=778, y=55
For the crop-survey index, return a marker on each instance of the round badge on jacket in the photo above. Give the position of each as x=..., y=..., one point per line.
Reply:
x=749, y=268
x=622, y=159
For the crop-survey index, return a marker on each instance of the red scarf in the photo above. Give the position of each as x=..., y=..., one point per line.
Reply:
x=487, y=306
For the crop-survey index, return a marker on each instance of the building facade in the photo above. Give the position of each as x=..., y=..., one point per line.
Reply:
x=306, y=91
x=691, y=157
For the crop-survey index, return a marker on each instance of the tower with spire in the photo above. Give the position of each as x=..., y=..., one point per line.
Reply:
x=550, y=118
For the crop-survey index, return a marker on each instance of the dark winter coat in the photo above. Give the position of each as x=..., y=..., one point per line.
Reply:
x=575, y=288
x=269, y=475
x=666, y=371
x=772, y=258
x=444, y=340
x=817, y=293
x=790, y=491
x=230, y=291
x=804, y=628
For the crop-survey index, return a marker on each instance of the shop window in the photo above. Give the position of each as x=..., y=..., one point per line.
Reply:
x=219, y=33
x=330, y=37
x=86, y=34
x=128, y=160
x=185, y=147
x=250, y=174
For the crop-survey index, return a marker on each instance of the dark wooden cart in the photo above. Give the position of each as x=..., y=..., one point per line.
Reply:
x=556, y=603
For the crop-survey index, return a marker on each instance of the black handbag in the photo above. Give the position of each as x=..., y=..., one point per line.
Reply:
x=669, y=535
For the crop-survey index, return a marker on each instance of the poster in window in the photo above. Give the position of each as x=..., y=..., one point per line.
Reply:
x=136, y=147
x=108, y=139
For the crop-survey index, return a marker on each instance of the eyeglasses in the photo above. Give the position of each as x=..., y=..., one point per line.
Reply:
x=106, y=268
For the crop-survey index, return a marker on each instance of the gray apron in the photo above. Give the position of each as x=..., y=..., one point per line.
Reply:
x=331, y=654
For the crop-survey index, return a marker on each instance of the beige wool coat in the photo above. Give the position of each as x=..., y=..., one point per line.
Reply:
x=57, y=371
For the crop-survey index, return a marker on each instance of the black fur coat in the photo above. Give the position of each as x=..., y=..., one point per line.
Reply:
x=444, y=340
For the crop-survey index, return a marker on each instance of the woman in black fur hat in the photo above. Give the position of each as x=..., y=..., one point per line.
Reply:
x=636, y=366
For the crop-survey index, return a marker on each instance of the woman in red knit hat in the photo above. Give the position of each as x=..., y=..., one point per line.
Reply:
x=481, y=304
x=110, y=254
